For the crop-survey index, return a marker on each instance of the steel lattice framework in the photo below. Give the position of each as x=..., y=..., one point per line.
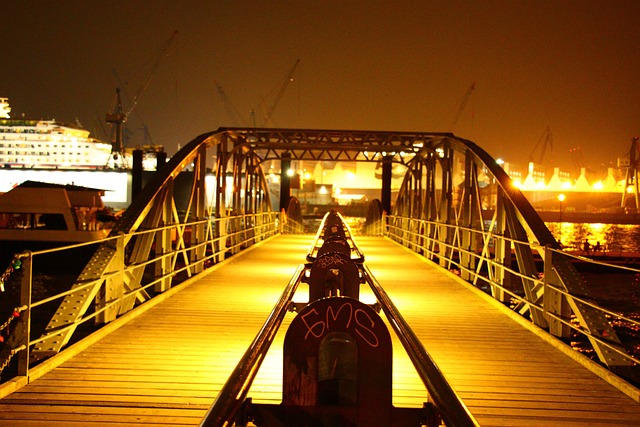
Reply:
x=335, y=145
x=450, y=187
x=459, y=208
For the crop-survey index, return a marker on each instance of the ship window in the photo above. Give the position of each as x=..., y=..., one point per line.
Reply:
x=28, y=220
x=52, y=222
x=15, y=220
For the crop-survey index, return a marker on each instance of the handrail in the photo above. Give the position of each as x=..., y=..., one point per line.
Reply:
x=232, y=396
x=356, y=253
x=238, y=239
x=424, y=244
x=453, y=411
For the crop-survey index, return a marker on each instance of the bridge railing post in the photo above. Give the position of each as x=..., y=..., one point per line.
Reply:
x=220, y=232
x=26, y=287
x=258, y=227
x=234, y=231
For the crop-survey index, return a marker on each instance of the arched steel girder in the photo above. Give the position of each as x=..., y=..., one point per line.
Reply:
x=157, y=207
x=454, y=187
x=449, y=161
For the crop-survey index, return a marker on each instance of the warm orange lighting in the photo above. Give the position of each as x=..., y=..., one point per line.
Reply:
x=561, y=197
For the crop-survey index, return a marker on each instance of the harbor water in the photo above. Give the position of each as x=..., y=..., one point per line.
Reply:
x=614, y=239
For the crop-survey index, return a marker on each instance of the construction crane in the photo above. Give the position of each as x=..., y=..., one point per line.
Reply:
x=545, y=142
x=461, y=107
x=288, y=79
x=232, y=111
x=118, y=118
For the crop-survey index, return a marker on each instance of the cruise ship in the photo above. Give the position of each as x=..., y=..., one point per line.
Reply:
x=48, y=144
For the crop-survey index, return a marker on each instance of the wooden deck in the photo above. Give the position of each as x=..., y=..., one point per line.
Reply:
x=165, y=366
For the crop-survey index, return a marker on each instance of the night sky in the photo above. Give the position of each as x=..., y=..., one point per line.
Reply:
x=571, y=66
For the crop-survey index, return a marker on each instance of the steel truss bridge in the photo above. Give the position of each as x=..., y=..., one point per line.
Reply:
x=456, y=207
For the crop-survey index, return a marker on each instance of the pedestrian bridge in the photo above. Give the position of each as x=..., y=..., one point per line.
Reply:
x=181, y=288
x=164, y=363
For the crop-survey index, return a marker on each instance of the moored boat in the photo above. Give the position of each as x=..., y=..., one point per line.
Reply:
x=37, y=215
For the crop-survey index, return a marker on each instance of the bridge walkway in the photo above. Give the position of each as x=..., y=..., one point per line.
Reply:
x=166, y=364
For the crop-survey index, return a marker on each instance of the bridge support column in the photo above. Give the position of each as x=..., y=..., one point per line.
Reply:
x=198, y=197
x=469, y=218
x=163, y=266
x=445, y=211
x=136, y=174
x=285, y=181
x=385, y=196
x=502, y=252
x=221, y=200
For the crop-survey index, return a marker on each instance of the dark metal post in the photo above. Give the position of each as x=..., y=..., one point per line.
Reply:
x=161, y=159
x=136, y=174
x=385, y=196
x=285, y=180
x=26, y=289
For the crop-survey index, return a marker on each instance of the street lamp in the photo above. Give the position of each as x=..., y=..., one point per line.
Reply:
x=561, y=198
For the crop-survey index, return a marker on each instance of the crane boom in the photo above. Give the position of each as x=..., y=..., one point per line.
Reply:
x=118, y=118
x=163, y=52
x=547, y=143
x=284, y=85
x=232, y=111
x=462, y=105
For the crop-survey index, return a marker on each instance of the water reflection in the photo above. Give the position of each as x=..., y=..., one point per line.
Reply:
x=614, y=238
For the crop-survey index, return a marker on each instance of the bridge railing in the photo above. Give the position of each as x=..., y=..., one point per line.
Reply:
x=169, y=265
x=478, y=265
